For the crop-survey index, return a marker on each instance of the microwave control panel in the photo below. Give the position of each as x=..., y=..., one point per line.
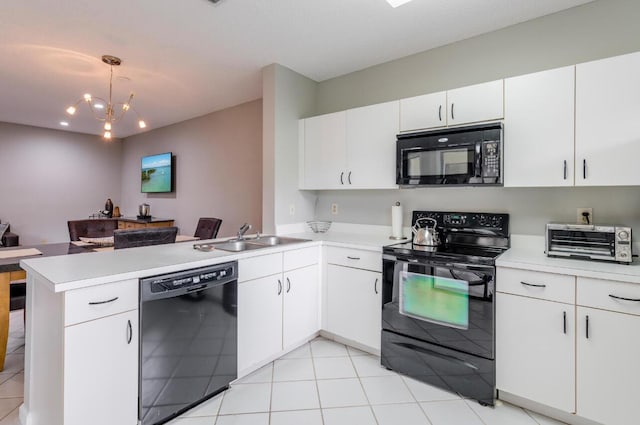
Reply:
x=491, y=159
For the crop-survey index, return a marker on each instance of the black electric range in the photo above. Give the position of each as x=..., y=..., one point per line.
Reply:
x=438, y=306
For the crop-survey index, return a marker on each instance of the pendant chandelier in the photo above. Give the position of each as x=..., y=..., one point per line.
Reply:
x=112, y=112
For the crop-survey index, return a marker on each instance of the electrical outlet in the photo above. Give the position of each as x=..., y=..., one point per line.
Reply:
x=334, y=209
x=584, y=216
x=292, y=209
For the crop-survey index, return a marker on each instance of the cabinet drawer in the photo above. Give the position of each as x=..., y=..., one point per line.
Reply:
x=600, y=294
x=82, y=305
x=368, y=260
x=255, y=267
x=545, y=286
x=299, y=258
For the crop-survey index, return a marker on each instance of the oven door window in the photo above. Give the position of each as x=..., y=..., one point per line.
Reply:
x=439, y=166
x=434, y=299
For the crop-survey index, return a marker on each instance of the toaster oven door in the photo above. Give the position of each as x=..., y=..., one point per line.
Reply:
x=596, y=245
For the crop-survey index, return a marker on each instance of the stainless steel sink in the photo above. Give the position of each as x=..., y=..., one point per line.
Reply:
x=274, y=240
x=247, y=244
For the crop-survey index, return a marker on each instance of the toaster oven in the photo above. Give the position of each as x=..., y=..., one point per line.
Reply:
x=590, y=242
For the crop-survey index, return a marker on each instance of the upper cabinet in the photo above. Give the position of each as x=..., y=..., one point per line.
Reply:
x=352, y=149
x=480, y=102
x=607, y=121
x=539, y=129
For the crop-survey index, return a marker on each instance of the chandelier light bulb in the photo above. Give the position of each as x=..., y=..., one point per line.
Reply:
x=107, y=135
x=107, y=126
x=71, y=110
x=142, y=124
x=87, y=97
x=126, y=107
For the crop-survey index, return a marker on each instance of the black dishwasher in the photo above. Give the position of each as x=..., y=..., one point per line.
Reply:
x=188, y=339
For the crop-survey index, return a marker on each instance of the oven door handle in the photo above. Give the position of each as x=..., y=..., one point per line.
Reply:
x=457, y=266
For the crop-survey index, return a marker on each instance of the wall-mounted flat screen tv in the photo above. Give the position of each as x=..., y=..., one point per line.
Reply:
x=156, y=173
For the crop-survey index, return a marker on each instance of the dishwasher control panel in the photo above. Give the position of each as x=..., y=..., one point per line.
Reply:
x=187, y=279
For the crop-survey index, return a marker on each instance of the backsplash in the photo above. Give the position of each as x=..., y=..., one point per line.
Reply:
x=530, y=208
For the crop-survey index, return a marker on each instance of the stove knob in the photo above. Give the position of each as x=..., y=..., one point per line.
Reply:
x=623, y=235
x=623, y=254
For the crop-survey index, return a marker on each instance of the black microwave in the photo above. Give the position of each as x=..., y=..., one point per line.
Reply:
x=452, y=156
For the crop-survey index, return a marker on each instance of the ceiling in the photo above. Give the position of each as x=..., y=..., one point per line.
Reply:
x=187, y=58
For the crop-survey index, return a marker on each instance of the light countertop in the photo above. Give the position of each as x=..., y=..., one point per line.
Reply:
x=527, y=252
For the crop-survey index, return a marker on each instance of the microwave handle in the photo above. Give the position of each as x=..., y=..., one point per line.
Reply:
x=478, y=158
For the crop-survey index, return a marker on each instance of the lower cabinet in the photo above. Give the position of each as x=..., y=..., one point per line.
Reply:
x=608, y=366
x=354, y=304
x=535, y=350
x=301, y=305
x=101, y=371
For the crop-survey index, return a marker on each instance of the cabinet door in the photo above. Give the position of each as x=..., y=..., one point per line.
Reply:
x=608, y=367
x=481, y=102
x=534, y=355
x=371, y=146
x=259, y=320
x=423, y=112
x=101, y=371
x=354, y=304
x=539, y=129
x=301, y=312
x=325, y=152
x=607, y=124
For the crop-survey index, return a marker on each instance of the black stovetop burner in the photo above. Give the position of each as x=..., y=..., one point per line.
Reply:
x=476, y=238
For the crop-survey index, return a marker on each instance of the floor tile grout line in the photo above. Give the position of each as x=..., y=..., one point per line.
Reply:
x=273, y=374
x=375, y=418
x=414, y=397
x=315, y=376
x=466, y=401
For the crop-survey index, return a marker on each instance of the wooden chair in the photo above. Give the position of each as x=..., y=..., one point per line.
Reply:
x=131, y=238
x=208, y=228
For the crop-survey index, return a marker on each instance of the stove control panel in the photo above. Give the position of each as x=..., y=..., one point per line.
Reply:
x=497, y=224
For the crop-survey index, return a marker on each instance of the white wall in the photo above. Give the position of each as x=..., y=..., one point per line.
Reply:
x=287, y=97
x=218, y=169
x=50, y=176
x=600, y=29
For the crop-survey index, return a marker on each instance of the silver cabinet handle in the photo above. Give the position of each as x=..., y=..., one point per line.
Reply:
x=353, y=258
x=565, y=169
x=375, y=286
x=349, y=177
x=342, y=177
x=624, y=299
x=452, y=116
x=584, y=169
x=129, y=332
x=564, y=321
x=440, y=112
x=288, y=285
x=534, y=285
x=103, y=302
x=279, y=287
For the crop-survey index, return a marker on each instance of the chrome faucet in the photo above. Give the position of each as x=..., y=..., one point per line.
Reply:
x=243, y=229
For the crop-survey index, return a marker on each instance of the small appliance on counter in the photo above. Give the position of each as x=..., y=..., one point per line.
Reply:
x=589, y=242
x=144, y=211
x=438, y=311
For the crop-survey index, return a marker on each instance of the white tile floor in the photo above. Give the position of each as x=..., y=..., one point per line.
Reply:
x=322, y=382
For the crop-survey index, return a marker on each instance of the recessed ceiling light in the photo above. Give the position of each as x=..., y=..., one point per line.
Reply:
x=64, y=123
x=98, y=105
x=396, y=3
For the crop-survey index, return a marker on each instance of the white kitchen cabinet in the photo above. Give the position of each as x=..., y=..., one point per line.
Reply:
x=325, y=151
x=354, y=304
x=477, y=103
x=607, y=124
x=539, y=129
x=371, y=146
x=607, y=366
x=341, y=149
x=259, y=320
x=534, y=347
x=301, y=308
x=101, y=366
x=423, y=112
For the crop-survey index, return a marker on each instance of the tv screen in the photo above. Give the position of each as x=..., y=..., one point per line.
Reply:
x=156, y=173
